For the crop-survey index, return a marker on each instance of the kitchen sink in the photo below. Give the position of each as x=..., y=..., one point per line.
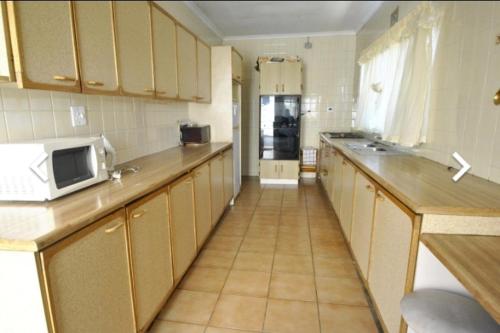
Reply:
x=374, y=148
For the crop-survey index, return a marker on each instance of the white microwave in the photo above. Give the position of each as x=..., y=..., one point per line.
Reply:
x=47, y=169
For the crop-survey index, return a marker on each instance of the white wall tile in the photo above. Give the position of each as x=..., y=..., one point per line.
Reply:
x=19, y=125
x=43, y=124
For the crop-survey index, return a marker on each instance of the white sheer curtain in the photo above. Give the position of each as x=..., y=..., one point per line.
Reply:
x=395, y=78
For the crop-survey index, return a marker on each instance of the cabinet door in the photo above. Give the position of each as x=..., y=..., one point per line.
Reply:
x=133, y=44
x=164, y=53
x=289, y=170
x=217, y=187
x=330, y=169
x=323, y=164
x=96, y=46
x=270, y=78
x=88, y=279
x=228, y=177
x=269, y=169
x=202, y=203
x=390, y=251
x=186, y=55
x=151, y=257
x=6, y=66
x=204, y=72
x=362, y=221
x=337, y=182
x=182, y=217
x=43, y=45
x=236, y=66
x=348, y=180
x=291, y=78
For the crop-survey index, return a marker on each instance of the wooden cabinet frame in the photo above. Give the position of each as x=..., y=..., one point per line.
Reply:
x=5, y=25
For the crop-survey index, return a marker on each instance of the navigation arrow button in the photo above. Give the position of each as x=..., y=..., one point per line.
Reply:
x=463, y=163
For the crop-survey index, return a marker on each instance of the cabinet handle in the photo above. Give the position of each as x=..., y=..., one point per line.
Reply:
x=238, y=77
x=324, y=172
x=275, y=168
x=281, y=167
x=161, y=92
x=283, y=87
x=277, y=87
x=344, y=163
x=380, y=197
x=63, y=78
x=114, y=228
x=95, y=83
x=369, y=188
x=189, y=182
x=149, y=90
x=138, y=214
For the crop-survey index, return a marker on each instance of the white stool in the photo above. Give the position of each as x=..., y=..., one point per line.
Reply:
x=438, y=311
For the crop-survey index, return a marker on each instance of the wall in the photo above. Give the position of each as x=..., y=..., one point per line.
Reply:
x=463, y=117
x=328, y=81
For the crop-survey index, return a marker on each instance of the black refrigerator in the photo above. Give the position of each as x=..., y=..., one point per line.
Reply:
x=279, y=127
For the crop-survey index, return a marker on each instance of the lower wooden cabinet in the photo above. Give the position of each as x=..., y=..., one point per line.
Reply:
x=151, y=257
x=337, y=182
x=88, y=281
x=279, y=169
x=346, y=201
x=201, y=177
x=217, y=187
x=228, y=176
x=389, y=256
x=182, y=217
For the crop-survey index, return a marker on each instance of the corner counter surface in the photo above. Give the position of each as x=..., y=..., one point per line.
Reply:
x=425, y=186
x=26, y=226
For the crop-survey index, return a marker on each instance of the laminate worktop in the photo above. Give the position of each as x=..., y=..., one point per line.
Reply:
x=475, y=262
x=27, y=226
x=425, y=186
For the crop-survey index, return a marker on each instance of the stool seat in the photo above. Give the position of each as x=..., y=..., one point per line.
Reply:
x=438, y=311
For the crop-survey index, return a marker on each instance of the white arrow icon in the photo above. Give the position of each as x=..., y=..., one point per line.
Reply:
x=463, y=163
x=35, y=167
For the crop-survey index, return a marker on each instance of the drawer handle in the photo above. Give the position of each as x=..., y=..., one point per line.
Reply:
x=114, y=228
x=344, y=163
x=281, y=167
x=324, y=172
x=283, y=87
x=369, y=188
x=149, y=90
x=138, y=214
x=276, y=87
x=95, y=83
x=380, y=197
x=63, y=78
x=161, y=92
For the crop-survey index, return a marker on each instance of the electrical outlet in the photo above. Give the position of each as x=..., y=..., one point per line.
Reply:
x=78, y=116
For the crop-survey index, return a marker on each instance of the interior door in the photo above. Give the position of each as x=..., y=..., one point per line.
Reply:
x=204, y=72
x=203, y=203
x=270, y=78
x=134, y=47
x=96, y=46
x=291, y=78
x=186, y=54
x=164, y=53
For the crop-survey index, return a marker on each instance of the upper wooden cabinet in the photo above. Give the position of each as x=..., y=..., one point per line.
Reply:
x=236, y=66
x=6, y=65
x=88, y=280
x=133, y=44
x=96, y=46
x=187, y=69
x=149, y=230
x=281, y=78
x=43, y=45
x=164, y=53
x=203, y=59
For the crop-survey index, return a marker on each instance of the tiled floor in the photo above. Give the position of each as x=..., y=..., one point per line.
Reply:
x=276, y=263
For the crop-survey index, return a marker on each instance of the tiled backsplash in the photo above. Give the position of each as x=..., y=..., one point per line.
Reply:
x=134, y=126
x=467, y=75
x=328, y=82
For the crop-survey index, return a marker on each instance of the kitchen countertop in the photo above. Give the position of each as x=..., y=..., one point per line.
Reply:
x=425, y=186
x=475, y=262
x=27, y=226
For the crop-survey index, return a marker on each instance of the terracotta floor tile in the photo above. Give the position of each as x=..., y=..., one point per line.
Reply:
x=204, y=279
x=340, y=291
x=291, y=317
x=293, y=264
x=224, y=243
x=346, y=319
x=225, y=330
x=292, y=286
x=161, y=326
x=262, y=231
x=276, y=204
x=253, y=261
x=293, y=247
x=215, y=259
x=272, y=220
x=293, y=220
x=264, y=210
x=189, y=306
x=332, y=267
x=231, y=230
x=260, y=245
x=247, y=283
x=239, y=312
x=331, y=250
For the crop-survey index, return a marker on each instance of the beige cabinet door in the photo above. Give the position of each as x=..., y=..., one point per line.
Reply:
x=236, y=66
x=182, y=217
x=6, y=65
x=87, y=277
x=330, y=168
x=149, y=231
x=202, y=203
x=164, y=53
x=362, y=221
x=228, y=177
x=134, y=49
x=204, y=72
x=390, y=251
x=186, y=55
x=289, y=169
x=269, y=169
x=217, y=187
x=96, y=46
x=43, y=45
x=270, y=78
x=323, y=164
x=348, y=181
x=291, y=78
x=337, y=182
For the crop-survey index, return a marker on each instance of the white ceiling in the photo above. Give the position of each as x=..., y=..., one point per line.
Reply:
x=252, y=18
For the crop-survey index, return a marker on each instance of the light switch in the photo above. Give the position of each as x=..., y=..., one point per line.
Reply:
x=78, y=116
